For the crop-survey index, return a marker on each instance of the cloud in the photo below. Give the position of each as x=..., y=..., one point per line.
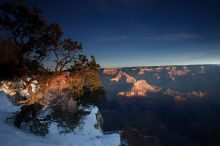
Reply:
x=172, y=37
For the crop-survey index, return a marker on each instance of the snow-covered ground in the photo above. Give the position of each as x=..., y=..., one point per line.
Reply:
x=86, y=135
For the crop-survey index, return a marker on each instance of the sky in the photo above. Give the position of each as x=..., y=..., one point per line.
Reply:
x=123, y=33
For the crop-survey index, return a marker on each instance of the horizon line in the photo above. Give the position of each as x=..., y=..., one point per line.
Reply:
x=160, y=65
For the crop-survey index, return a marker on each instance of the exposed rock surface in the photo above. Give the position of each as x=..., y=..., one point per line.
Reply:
x=109, y=71
x=140, y=88
x=129, y=79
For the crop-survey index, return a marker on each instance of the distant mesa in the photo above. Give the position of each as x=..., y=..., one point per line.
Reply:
x=158, y=69
x=172, y=72
x=196, y=94
x=172, y=92
x=156, y=76
x=110, y=71
x=140, y=88
x=142, y=71
x=202, y=70
x=180, y=97
x=129, y=79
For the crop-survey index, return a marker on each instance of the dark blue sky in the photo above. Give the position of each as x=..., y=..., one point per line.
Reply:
x=141, y=32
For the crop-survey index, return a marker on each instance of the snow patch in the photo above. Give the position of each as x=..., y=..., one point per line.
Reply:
x=86, y=135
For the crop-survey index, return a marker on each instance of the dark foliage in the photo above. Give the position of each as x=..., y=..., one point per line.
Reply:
x=31, y=33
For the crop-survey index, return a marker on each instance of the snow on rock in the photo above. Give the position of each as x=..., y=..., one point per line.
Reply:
x=19, y=87
x=140, y=88
x=85, y=135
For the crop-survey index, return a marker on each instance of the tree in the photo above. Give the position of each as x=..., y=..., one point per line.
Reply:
x=26, y=27
x=65, y=53
x=82, y=64
x=28, y=40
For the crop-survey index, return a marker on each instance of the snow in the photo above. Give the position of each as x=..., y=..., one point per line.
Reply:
x=85, y=135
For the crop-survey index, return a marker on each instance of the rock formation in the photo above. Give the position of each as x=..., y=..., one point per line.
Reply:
x=129, y=79
x=109, y=71
x=140, y=88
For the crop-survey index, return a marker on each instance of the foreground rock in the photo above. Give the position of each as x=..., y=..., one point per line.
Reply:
x=140, y=88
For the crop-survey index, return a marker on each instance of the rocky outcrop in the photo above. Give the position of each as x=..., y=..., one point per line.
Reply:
x=140, y=88
x=109, y=71
x=129, y=79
